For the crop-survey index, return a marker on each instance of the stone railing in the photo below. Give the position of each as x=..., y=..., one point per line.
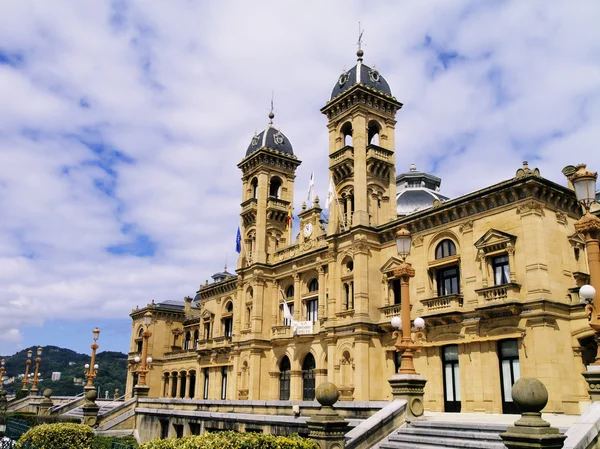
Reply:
x=277, y=203
x=442, y=304
x=347, y=151
x=180, y=354
x=388, y=312
x=281, y=332
x=504, y=293
x=249, y=204
x=379, y=153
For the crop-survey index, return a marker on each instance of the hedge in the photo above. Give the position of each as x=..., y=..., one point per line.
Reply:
x=57, y=436
x=232, y=440
x=34, y=420
x=106, y=442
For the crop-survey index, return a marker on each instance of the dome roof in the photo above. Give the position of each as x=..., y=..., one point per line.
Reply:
x=270, y=138
x=361, y=74
x=417, y=190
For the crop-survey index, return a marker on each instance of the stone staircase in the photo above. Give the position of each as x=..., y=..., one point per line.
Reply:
x=104, y=408
x=445, y=435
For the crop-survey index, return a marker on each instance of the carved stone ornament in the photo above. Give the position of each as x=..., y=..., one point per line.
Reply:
x=466, y=226
x=531, y=206
x=526, y=171
x=561, y=218
x=589, y=223
x=404, y=270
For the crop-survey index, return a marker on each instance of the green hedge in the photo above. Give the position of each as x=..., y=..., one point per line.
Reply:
x=106, y=442
x=232, y=440
x=57, y=436
x=34, y=420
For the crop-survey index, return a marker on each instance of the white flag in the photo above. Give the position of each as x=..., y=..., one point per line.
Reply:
x=286, y=310
x=330, y=194
x=311, y=188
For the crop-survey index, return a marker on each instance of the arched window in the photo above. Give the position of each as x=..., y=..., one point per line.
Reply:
x=182, y=382
x=196, y=338
x=139, y=342
x=284, y=379
x=445, y=248
x=188, y=339
x=174, y=385
x=349, y=289
x=192, y=384
x=312, y=305
x=275, y=187
x=373, y=136
x=308, y=378
x=347, y=134
x=254, y=187
x=289, y=293
x=166, y=385
x=229, y=307
x=313, y=286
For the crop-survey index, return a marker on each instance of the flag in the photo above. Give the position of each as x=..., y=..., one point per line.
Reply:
x=330, y=194
x=238, y=241
x=287, y=314
x=288, y=220
x=311, y=188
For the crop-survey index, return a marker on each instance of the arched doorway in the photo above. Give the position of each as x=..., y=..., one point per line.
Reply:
x=284, y=379
x=308, y=378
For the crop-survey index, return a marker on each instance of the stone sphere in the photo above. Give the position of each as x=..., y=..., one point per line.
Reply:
x=327, y=394
x=91, y=395
x=529, y=394
x=47, y=393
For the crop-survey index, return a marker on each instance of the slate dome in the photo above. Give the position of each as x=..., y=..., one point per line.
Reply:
x=270, y=138
x=417, y=190
x=362, y=74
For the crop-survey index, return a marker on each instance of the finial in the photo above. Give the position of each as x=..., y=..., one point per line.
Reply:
x=413, y=167
x=225, y=270
x=271, y=115
x=360, y=53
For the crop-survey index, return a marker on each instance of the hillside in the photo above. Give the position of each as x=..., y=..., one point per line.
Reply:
x=112, y=370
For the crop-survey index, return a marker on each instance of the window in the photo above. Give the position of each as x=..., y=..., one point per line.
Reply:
x=205, y=373
x=289, y=293
x=284, y=379
x=248, y=313
x=510, y=372
x=448, y=281
x=373, y=136
x=275, y=187
x=173, y=385
x=313, y=286
x=308, y=378
x=164, y=428
x=312, y=306
x=254, y=187
x=349, y=288
x=139, y=343
x=228, y=327
x=414, y=184
x=224, y=383
x=445, y=248
x=452, y=402
x=196, y=338
x=288, y=321
x=501, y=270
x=397, y=361
x=396, y=290
x=166, y=385
x=347, y=134
x=192, y=384
x=188, y=339
x=206, y=331
x=182, y=382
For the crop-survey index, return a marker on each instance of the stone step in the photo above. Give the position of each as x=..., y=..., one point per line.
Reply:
x=460, y=425
x=440, y=441
x=447, y=433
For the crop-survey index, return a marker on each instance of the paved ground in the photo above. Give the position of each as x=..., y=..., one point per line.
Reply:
x=554, y=419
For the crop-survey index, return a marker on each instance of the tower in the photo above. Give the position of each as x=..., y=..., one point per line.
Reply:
x=268, y=172
x=361, y=120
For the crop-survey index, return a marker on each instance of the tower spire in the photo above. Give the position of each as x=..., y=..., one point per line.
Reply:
x=360, y=52
x=271, y=114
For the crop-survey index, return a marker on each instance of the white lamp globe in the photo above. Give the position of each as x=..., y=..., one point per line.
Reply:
x=419, y=323
x=137, y=359
x=149, y=360
x=397, y=322
x=87, y=365
x=96, y=366
x=587, y=292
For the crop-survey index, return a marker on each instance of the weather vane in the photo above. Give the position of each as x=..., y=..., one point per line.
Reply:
x=271, y=114
x=360, y=35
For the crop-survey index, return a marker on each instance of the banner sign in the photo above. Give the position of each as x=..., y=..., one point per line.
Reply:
x=304, y=327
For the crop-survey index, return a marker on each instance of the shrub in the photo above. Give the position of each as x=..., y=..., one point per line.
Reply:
x=20, y=394
x=106, y=442
x=232, y=440
x=34, y=420
x=57, y=436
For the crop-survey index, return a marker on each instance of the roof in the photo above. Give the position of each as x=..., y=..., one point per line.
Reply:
x=417, y=190
x=270, y=138
x=361, y=74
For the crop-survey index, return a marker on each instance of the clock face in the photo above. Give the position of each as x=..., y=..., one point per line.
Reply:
x=307, y=229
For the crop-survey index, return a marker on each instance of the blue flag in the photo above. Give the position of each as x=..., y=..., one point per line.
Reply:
x=238, y=241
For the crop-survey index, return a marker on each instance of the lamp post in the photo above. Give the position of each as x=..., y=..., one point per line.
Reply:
x=34, y=390
x=2, y=370
x=26, y=377
x=142, y=388
x=91, y=369
x=407, y=384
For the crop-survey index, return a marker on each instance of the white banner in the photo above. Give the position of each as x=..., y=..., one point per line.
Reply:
x=304, y=327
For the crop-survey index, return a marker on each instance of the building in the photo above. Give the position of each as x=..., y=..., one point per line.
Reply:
x=56, y=376
x=497, y=273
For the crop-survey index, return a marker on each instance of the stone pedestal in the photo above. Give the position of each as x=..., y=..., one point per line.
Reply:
x=592, y=377
x=33, y=392
x=90, y=409
x=45, y=404
x=327, y=428
x=411, y=388
x=531, y=431
x=141, y=391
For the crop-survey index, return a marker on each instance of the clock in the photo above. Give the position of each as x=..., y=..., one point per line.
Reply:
x=307, y=229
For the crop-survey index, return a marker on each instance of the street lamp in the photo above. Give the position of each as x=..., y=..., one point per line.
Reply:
x=405, y=343
x=2, y=370
x=584, y=182
x=34, y=390
x=91, y=369
x=26, y=377
x=141, y=389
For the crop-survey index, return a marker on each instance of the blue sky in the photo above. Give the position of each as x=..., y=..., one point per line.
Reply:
x=121, y=124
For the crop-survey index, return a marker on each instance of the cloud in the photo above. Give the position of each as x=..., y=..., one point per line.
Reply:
x=121, y=124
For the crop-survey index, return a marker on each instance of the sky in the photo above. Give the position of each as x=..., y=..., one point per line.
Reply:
x=121, y=125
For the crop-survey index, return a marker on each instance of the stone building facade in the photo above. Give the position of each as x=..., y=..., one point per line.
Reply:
x=497, y=278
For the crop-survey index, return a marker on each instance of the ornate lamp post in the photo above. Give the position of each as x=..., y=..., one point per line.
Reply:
x=407, y=384
x=2, y=370
x=142, y=388
x=34, y=390
x=91, y=369
x=26, y=376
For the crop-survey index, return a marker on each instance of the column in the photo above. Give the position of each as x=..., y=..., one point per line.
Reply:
x=361, y=279
x=259, y=252
x=187, y=385
x=322, y=308
x=295, y=385
x=178, y=386
x=257, y=305
x=254, y=387
x=359, y=142
x=297, y=300
x=274, y=385
x=362, y=375
x=163, y=385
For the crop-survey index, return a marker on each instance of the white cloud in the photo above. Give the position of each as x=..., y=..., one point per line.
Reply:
x=179, y=91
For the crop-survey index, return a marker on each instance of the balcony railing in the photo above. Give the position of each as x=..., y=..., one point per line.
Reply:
x=345, y=152
x=379, y=153
x=389, y=312
x=442, y=304
x=281, y=332
x=503, y=293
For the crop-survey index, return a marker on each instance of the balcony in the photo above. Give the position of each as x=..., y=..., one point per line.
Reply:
x=249, y=208
x=505, y=293
x=281, y=332
x=389, y=312
x=342, y=163
x=442, y=305
x=376, y=152
x=379, y=161
x=277, y=209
